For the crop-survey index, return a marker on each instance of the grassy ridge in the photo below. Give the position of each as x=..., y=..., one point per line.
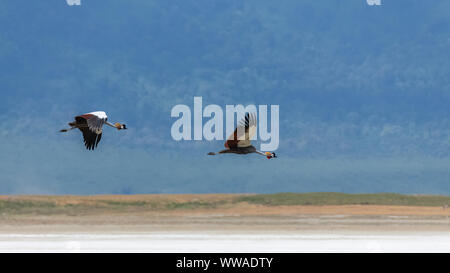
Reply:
x=20, y=206
x=332, y=198
x=76, y=205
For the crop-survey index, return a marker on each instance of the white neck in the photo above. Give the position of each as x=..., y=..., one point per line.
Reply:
x=109, y=124
x=261, y=153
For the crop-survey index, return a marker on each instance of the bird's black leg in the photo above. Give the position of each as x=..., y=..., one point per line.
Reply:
x=66, y=130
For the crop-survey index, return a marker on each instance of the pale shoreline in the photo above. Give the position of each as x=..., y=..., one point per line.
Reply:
x=231, y=235
x=215, y=223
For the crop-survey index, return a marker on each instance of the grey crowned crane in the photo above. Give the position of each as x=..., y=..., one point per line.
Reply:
x=236, y=146
x=90, y=125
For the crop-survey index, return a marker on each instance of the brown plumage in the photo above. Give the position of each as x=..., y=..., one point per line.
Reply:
x=241, y=144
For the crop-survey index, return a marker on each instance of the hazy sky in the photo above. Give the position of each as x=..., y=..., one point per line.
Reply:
x=364, y=94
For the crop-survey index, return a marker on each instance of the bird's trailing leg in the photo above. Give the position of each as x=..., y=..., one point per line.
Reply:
x=221, y=152
x=73, y=125
x=66, y=130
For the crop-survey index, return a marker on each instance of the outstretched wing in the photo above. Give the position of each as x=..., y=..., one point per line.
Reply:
x=248, y=127
x=91, y=139
x=91, y=127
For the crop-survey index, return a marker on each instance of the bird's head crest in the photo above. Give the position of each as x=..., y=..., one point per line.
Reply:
x=120, y=126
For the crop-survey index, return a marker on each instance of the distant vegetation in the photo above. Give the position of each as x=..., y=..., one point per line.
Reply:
x=76, y=205
x=332, y=198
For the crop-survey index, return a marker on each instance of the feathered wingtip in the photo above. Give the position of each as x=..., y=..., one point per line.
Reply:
x=211, y=153
x=63, y=130
x=249, y=120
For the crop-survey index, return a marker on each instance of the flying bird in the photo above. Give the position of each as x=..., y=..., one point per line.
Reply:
x=241, y=144
x=90, y=125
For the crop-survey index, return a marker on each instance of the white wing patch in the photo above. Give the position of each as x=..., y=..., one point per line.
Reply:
x=99, y=114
